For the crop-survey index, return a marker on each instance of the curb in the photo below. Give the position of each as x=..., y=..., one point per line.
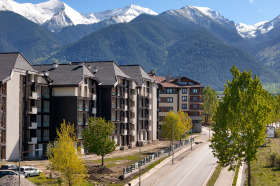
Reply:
x=240, y=175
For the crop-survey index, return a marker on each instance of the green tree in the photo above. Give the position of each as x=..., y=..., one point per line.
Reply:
x=210, y=102
x=240, y=121
x=96, y=138
x=172, y=122
x=63, y=156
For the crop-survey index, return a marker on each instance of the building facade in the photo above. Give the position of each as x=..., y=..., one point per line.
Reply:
x=180, y=94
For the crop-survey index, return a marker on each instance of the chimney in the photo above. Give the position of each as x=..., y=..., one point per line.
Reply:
x=153, y=72
x=55, y=65
x=95, y=70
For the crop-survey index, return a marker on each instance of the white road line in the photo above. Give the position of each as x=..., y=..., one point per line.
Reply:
x=194, y=167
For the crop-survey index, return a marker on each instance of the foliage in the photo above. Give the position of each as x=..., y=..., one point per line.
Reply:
x=63, y=156
x=179, y=123
x=96, y=138
x=210, y=98
x=241, y=120
x=271, y=159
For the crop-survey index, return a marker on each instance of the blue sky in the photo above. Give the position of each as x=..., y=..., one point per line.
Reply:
x=240, y=11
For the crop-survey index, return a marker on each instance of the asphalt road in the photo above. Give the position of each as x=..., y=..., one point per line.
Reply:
x=193, y=170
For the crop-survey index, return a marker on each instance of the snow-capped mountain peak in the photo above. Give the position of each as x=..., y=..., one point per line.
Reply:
x=55, y=14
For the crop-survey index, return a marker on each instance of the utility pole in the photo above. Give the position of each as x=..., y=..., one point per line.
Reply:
x=139, y=164
x=172, y=142
x=191, y=137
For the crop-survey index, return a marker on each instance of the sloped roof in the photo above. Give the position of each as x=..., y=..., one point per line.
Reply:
x=107, y=71
x=172, y=82
x=137, y=73
x=10, y=61
x=65, y=74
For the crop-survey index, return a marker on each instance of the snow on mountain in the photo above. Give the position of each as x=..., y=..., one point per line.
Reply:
x=261, y=28
x=200, y=15
x=55, y=14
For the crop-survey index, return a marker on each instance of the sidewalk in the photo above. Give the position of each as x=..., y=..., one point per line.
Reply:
x=162, y=169
x=225, y=178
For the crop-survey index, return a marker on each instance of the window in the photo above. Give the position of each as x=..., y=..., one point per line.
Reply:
x=194, y=90
x=169, y=108
x=194, y=98
x=184, y=98
x=46, y=136
x=194, y=106
x=184, y=106
x=184, y=91
x=80, y=118
x=159, y=99
x=159, y=109
x=46, y=106
x=46, y=92
x=3, y=122
x=195, y=113
x=86, y=105
x=39, y=135
x=169, y=91
x=80, y=105
x=46, y=121
x=183, y=83
x=38, y=105
x=190, y=83
x=38, y=120
x=169, y=100
x=86, y=81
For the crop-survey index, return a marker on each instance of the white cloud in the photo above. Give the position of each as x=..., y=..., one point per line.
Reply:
x=251, y=1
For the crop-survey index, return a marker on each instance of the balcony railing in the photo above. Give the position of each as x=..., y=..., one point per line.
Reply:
x=32, y=125
x=33, y=140
x=33, y=110
x=197, y=108
x=34, y=95
x=93, y=111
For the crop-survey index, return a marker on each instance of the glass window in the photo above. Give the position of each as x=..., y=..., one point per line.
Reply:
x=46, y=121
x=194, y=98
x=194, y=90
x=194, y=106
x=169, y=91
x=80, y=118
x=159, y=99
x=183, y=83
x=184, y=106
x=169, y=100
x=159, y=109
x=46, y=136
x=184, y=98
x=184, y=91
x=39, y=135
x=169, y=108
x=38, y=120
x=46, y=106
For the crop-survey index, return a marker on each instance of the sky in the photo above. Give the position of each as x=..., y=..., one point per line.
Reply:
x=240, y=11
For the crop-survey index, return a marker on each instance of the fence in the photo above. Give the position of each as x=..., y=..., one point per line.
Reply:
x=145, y=161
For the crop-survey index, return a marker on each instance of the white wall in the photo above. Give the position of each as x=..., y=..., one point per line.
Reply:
x=65, y=91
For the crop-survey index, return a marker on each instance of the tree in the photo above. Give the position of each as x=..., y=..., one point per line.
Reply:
x=64, y=157
x=210, y=102
x=240, y=121
x=96, y=138
x=185, y=121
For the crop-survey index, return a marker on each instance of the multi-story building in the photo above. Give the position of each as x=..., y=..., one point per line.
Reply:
x=116, y=101
x=146, y=102
x=24, y=103
x=74, y=92
x=180, y=94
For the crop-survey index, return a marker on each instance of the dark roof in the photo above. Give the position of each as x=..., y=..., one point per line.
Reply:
x=172, y=82
x=10, y=61
x=137, y=73
x=65, y=74
x=107, y=71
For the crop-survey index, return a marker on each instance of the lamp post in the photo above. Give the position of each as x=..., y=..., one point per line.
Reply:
x=172, y=142
x=20, y=153
x=139, y=164
x=191, y=137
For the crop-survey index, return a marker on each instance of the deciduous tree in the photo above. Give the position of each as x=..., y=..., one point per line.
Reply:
x=64, y=157
x=96, y=138
x=210, y=102
x=240, y=120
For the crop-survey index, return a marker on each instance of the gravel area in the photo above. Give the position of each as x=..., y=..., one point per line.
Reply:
x=12, y=180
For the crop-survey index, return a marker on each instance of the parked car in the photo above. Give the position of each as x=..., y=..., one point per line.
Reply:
x=9, y=167
x=7, y=172
x=27, y=171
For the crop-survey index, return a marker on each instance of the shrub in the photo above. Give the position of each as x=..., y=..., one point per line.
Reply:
x=271, y=159
x=277, y=133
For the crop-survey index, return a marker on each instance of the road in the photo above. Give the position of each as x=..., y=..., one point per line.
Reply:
x=193, y=170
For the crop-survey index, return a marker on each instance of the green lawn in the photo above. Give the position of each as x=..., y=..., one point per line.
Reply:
x=262, y=173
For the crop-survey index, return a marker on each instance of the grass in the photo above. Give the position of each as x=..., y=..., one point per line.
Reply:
x=236, y=175
x=262, y=173
x=215, y=176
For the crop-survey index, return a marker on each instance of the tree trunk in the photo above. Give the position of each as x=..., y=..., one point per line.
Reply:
x=249, y=173
x=102, y=161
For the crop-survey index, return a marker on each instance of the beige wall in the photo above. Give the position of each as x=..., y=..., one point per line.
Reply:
x=65, y=91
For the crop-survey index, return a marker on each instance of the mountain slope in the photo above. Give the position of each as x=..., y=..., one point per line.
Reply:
x=168, y=47
x=20, y=34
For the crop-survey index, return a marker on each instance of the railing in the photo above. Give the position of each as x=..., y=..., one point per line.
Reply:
x=146, y=161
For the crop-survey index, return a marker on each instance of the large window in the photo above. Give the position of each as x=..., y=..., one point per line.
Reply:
x=38, y=120
x=184, y=98
x=159, y=99
x=46, y=121
x=184, y=91
x=169, y=91
x=194, y=98
x=183, y=83
x=169, y=108
x=194, y=106
x=184, y=106
x=39, y=135
x=169, y=100
x=195, y=90
x=46, y=136
x=46, y=106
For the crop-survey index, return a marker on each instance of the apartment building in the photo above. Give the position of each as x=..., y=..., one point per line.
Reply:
x=116, y=101
x=24, y=97
x=146, y=89
x=74, y=92
x=180, y=94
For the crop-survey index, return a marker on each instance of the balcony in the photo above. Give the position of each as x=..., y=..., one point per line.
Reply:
x=125, y=95
x=197, y=108
x=93, y=111
x=34, y=95
x=196, y=93
x=132, y=132
x=125, y=120
x=196, y=101
x=33, y=110
x=32, y=125
x=33, y=140
x=93, y=97
x=150, y=117
x=132, y=97
x=132, y=120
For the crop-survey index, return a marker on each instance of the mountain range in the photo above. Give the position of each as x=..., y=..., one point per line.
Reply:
x=193, y=41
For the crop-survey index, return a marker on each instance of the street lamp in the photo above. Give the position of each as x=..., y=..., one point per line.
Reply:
x=191, y=136
x=139, y=164
x=172, y=142
x=20, y=153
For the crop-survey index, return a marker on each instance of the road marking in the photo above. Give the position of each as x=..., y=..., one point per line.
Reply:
x=194, y=167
